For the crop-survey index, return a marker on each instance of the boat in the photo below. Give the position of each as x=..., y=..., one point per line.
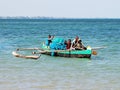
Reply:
x=60, y=53
x=53, y=51
x=56, y=49
x=69, y=53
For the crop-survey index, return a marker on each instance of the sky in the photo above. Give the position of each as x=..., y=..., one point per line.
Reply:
x=61, y=8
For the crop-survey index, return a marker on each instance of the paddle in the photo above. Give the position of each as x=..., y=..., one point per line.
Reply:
x=96, y=48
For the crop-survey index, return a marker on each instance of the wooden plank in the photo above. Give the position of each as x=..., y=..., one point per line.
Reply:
x=21, y=49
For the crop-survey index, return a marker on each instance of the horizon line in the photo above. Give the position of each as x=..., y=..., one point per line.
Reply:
x=45, y=17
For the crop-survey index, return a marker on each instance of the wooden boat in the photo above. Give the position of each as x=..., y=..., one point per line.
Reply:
x=54, y=49
x=61, y=53
x=57, y=48
x=68, y=53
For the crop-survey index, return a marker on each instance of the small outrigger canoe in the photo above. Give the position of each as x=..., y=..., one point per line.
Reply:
x=61, y=53
x=57, y=48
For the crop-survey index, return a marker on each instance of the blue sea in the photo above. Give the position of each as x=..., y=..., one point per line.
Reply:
x=101, y=72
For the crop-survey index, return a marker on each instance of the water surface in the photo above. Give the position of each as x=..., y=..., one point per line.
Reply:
x=101, y=72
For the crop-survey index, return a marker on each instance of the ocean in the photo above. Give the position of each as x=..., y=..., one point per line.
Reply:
x=101, y=72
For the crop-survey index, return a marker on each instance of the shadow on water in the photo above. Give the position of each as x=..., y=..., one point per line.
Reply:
x=97, y=58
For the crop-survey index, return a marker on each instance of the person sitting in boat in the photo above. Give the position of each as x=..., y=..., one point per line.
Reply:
x=80, y=46
x=65, y=42
x=68, y=44
x=50, y=39
x=74, y=42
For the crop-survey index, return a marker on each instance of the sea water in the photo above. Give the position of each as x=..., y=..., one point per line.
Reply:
x=101, y=72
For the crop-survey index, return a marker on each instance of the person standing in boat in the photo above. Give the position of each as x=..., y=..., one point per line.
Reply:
x=50, y=39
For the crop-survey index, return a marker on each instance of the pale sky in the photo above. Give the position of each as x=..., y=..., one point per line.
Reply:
x=61, y=8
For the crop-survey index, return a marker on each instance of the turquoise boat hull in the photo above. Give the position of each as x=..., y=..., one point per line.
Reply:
x=76, y=53
x=68, y=53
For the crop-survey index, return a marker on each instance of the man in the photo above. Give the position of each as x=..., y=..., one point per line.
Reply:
x=74, y=42
x=80, y=46
x=77, y=44
x=50, y=39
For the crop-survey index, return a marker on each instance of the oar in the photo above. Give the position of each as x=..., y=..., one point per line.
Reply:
x=96, y=48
